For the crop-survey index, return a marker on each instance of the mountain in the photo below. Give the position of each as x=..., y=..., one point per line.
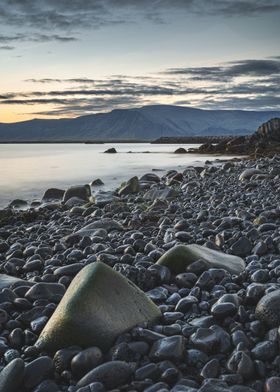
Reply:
x=145, y=123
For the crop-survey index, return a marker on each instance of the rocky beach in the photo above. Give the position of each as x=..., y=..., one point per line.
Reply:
x=170, y=283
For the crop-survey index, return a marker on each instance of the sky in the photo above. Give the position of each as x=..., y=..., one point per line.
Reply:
x=67, y=58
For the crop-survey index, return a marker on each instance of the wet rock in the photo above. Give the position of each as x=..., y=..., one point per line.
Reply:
x=111, y=374
x=88, y=315
x=180, y=150
x=178, y=258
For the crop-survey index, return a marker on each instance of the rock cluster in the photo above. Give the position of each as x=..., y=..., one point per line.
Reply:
x=203, y=247
x=265, y=141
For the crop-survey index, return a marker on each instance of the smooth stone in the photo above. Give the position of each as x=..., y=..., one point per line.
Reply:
x=178, y=258
x=7, y=281
x=105, y=223
x=111, y=374
x=170, y=348
x=265, y=350
x=86, y=360
x=99, y=305
x=62, y=358
x=211, y=369
x=223, y=310
x=53, y=194
x=248, y=173
x=11, y=376
x=205, y=339
x=37, y=370
x=47, y=386
x=267, y=309
x=81, y=191
x=69, y=270
x=150, y=177
x=45, y=290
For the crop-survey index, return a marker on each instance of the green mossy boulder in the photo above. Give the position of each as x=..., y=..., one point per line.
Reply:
x=99, y=305
x=177, y=259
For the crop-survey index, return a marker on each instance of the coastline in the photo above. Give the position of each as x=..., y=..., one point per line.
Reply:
x=230, y=208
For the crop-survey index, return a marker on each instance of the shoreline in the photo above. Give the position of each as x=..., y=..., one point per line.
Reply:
x=208, y=309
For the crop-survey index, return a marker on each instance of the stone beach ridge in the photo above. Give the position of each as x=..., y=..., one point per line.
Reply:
x=169, y=283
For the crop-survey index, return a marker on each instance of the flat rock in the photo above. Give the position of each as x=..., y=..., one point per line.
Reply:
x=99, y=305
x=104, y=198
x=178, y=258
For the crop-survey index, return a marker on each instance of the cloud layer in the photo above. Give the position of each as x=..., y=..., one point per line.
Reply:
x=245, y=84
x=66, y=17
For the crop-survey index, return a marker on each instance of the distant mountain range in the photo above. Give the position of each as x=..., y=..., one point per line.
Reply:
x=145, y=123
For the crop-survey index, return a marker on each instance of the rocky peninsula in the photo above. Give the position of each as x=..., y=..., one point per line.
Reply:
x=169, y=283
x=265, y=141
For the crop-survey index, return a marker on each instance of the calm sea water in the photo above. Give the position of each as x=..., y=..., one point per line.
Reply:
x=27, y=170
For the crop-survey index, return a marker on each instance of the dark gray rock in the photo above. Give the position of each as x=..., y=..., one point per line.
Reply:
x=11, y=376
x=111, y=374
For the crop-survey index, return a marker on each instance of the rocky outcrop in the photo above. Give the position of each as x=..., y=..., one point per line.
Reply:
x=269, y=131
x=266, y=140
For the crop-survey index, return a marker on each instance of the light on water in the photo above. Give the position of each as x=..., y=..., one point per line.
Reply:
x=27, y=170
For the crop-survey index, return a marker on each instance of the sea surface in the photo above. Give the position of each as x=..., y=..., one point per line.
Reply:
x=27, y=170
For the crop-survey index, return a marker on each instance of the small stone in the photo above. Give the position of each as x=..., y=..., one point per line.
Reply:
x=272, y=384
x=211, y=369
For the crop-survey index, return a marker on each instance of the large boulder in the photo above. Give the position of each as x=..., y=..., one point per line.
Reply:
x=178, y=258
x=99, y=305
x=80, y=191
x=269, y=131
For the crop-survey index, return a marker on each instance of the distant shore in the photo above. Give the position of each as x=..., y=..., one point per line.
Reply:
x=161, y=140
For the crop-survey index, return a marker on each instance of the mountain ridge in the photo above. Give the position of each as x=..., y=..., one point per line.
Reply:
x=144, y=123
